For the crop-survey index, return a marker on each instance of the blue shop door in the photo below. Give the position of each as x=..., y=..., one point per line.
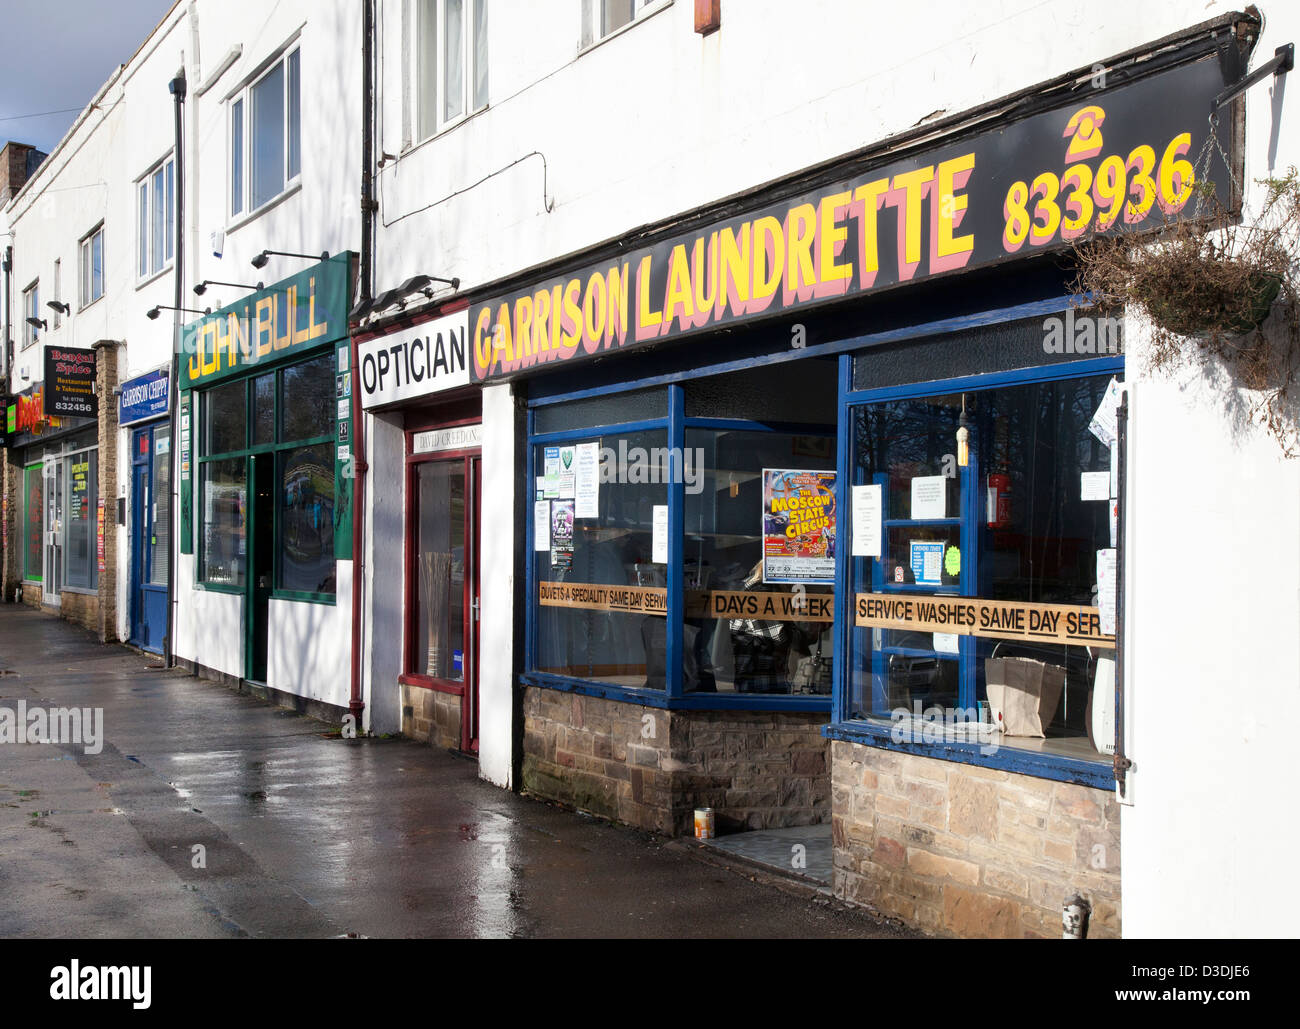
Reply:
x=150, y=538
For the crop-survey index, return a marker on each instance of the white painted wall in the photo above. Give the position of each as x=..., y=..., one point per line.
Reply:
x=1214, y=665
x=497, y=641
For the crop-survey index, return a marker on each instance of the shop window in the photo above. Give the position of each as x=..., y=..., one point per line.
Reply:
x=1009, y=546
x=451, y=62
x=156, y=219
x=80, y=556
x=759, y=606
x=602, y=606
x=33, y=522
x=223, y=550
x=266, y=135
x=288, y=414
x=90, y=278
x=601, y=18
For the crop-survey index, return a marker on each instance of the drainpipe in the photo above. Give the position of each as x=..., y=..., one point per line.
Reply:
x=177, y=89
x=357, y=706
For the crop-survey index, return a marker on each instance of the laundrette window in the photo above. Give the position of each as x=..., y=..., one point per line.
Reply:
x=754, y=536
x=286, y=416
x=1014, y=549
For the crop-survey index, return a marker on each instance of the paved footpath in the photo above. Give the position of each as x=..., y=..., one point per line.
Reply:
x=307, y=836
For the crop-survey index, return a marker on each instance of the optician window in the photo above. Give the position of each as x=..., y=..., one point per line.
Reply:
x=721, y=549
x=990, y=517
x=286, y=416
x=266, y=135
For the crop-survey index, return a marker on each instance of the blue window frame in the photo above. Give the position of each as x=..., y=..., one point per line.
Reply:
x=878, y=667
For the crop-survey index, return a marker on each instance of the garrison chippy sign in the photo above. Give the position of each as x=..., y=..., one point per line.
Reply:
x=1109, y=160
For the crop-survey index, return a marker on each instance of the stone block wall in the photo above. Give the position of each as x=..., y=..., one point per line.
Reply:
x=82, y=609
x=652, y=768
x=958, y=850
x=431, y=716
x=106, y=381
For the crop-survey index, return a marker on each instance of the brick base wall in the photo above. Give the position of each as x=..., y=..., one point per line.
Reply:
x=652, y=768
x=83, y=609
x=963, y=851
x=431, y=716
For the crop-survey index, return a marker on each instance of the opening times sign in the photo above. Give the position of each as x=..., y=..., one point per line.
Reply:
x=1111, y=160
x=70, y=382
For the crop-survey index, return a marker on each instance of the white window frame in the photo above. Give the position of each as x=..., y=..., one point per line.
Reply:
x=31, y=301
x=55, y=313
x=148, y=262
x=85, y=267
x=471, y=103
x=595, y=16
x=239, y=128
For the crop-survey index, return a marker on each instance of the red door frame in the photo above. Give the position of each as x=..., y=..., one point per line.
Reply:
x=471, y=460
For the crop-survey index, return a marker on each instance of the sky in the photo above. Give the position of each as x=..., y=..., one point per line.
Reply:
x=56, y=54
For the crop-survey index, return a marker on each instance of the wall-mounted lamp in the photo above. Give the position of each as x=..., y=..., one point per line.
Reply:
x=420, y=284
x=202, y=287
x=59, y=305
x=153, y=312
x=38, y=323
x=262, y=259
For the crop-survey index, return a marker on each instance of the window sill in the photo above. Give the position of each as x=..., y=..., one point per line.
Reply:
x=328, y=599
x=640, y=19
x=689, y=702
x=152, y=276
x=1097, y=774
x=92, y=303
x=446, y=129
x=427, y=682
x=239, y=221
x=81, y=591
x=212, y=587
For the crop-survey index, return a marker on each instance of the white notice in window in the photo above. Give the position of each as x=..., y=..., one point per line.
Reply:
x=929, y=497
x=866, y=521
x=1106, y=582
x=659, y=539
x=541, y=525
x=587, y=493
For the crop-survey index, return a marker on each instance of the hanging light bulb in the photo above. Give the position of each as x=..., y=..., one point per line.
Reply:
x=963, y=437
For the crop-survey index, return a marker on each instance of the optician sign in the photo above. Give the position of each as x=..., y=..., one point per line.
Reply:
x=414, y=362
x=145, y=396
x=1104, y=161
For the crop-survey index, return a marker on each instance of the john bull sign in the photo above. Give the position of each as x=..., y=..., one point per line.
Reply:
x=288, y=318
x=1111, y=160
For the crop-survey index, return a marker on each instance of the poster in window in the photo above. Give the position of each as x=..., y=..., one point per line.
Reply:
x=798, y=526
x=562, y=534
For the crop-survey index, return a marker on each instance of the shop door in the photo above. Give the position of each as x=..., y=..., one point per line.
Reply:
x=150, y=536
x=261, y=527
x=53, y=574
x=444, y=615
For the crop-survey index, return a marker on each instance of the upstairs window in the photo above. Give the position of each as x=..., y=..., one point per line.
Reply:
x=155, y=218
x=31, y=308
x=91, y=268
x=451, y=62
x=266, y=136
x=601, y=18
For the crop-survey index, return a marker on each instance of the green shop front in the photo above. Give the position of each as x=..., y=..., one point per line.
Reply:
x=824, y=493
x=264, y=423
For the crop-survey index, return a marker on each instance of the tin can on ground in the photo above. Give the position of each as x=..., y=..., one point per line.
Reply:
x=704, y=823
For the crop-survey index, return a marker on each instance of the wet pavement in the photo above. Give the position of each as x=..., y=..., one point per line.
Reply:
x=302, y=835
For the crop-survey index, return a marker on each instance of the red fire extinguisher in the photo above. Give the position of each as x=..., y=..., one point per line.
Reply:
x=998, y=504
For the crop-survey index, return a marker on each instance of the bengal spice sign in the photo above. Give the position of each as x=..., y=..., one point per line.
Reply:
x=1119, y=159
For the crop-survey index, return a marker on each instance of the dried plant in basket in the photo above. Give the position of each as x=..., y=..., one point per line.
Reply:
x=1208, y=285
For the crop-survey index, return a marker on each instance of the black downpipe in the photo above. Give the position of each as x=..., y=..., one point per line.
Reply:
x=177, y=88
x=367, y=146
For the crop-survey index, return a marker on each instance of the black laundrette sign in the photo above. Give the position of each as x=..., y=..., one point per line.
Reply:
x=1109, y=160
x=70, y=382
